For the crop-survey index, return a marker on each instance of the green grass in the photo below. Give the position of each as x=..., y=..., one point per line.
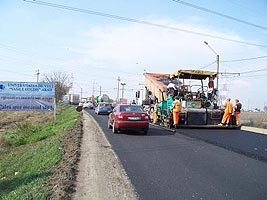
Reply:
x=35, y=149
x=254, y=119
x=27, y=133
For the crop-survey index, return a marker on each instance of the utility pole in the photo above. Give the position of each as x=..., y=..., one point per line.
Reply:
x=122, y=90
x=118, y=89
x=81, y=94
x=100, y=90
x=218, y=63
x=93, y=94
x=71, y=84
x=37, y=74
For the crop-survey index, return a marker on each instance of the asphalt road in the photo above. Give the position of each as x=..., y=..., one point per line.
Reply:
x=163, y=165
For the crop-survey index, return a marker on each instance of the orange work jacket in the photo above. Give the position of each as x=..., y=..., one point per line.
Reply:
x=176, y=106
x=229, y=107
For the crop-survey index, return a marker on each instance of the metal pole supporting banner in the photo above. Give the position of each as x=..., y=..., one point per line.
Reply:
x=55, y=110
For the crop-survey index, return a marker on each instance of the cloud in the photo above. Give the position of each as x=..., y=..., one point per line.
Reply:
x=118, y=49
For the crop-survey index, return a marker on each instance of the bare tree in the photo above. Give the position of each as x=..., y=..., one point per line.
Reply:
x=62, y=82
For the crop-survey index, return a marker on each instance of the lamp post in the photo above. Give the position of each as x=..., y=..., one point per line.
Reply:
x=100, y=90
x=37, y=74
x=218, y=63
x=122, y=90
x=118, y=89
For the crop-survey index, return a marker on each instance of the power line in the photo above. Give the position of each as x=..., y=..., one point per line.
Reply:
x=220, y=14
x=207, y=65
x=10, y=48
x=247, y=8
x=21, y=61
x=244, y=59
x=139, y=22
x=15, y=72
x=253, y=71
x=25, y=52
x=251, y=76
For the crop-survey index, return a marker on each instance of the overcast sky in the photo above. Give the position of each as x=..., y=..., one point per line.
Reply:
x=97, y=50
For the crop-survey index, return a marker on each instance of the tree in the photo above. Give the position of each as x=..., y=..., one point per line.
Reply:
x=62, y=82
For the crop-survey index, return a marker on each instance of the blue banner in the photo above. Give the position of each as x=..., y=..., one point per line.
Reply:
x=27, y=96
x=27, y=89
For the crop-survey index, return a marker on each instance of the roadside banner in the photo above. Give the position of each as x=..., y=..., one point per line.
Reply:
x=27, y=96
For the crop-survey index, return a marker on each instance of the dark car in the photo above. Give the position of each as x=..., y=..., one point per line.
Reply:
x=125, y=117
x=103, y=109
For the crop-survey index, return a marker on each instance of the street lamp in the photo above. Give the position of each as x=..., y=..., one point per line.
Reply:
x=122, y=90
x=100, y=90
x=118, y=89
x=218, y=63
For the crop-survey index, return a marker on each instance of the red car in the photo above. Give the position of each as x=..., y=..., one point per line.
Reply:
x=128, y=116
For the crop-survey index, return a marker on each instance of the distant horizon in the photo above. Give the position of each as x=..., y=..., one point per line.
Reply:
x=110, y=39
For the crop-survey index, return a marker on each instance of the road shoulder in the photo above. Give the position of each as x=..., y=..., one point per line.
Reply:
x=254, y=130
x=100, y=174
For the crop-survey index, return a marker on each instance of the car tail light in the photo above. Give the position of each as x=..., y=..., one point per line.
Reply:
x=146, y=117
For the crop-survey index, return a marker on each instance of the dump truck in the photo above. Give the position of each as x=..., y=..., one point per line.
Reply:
x=196, y=92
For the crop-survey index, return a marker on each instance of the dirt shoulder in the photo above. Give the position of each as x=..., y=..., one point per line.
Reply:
x=100, y=175
x=63, y=175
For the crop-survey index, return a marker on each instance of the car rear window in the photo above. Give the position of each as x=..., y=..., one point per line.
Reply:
x=129, y=108
x=105, y=105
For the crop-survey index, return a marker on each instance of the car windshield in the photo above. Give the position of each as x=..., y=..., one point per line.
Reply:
x=131, y=108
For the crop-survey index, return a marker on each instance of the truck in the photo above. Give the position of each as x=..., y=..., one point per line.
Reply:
x=196, y=92
x=103, y=98
x=74, y=99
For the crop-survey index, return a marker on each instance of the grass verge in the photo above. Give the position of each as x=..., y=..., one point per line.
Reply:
x=35, y=149
x=254, y=119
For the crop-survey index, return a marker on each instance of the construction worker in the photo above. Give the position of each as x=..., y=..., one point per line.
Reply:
x=155, y=113
x=237, y=109
x=175, y=111
x=227, y=113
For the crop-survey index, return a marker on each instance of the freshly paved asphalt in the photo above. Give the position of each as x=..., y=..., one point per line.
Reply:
x=192, y=163
x=247, y=143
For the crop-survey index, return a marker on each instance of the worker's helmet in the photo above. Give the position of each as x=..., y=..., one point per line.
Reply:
x=172, y=86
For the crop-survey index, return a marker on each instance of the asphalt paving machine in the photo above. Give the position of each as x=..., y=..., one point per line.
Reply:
x=196, y=92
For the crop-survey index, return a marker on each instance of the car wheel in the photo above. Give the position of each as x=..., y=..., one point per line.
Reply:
x=114, y=129
x=109, y=125
x=145, y=131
